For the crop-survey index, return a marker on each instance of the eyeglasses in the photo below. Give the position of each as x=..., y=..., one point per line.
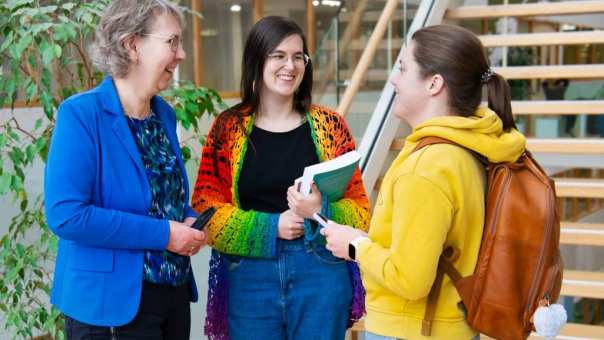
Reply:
x=174, y=40
x=299, y=59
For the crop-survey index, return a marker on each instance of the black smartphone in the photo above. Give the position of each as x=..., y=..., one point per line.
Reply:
x=203, y=218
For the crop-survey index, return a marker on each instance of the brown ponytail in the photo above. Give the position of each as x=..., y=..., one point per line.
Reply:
x=499, y=100
x=459, y=57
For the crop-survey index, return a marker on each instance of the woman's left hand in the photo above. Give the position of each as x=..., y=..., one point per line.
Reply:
x=338, y=238
x=304, y=206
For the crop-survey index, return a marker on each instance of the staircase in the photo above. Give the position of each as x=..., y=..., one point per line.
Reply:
x=574, y=159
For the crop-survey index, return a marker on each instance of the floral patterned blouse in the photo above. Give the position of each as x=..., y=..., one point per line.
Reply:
x=168, y=198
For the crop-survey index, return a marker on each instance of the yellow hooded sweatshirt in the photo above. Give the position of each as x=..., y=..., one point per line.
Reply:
x=428, y=200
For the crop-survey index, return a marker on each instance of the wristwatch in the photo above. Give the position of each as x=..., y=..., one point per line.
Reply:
x=352, y=246
x=352, y=252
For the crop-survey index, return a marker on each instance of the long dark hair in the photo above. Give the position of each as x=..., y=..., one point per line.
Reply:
x=264, y=37
x=459, y=57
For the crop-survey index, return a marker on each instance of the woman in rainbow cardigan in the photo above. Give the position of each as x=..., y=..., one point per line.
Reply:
x=270, y=274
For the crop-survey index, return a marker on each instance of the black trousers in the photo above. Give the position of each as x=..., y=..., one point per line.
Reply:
x=164, y=314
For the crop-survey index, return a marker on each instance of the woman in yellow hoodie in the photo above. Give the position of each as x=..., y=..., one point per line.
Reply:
x=434, y=197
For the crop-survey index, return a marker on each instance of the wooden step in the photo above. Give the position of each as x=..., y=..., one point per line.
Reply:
x=566, y=146
x=565, y=187
x=580, y=187
x=589, y=234
x=579, y=283
x=529, y=107
x=523, y=10
x=583, y=71
x=557, y=107
x=591, y=71
x=573, y=331
x=543, y=39
x=542, y=145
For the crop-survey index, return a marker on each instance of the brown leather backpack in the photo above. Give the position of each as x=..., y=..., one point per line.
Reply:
x=519, y=265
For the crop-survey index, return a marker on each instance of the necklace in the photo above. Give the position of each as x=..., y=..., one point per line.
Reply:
x=141, y=116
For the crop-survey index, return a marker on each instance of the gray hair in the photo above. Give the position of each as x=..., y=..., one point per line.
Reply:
x=121, y=20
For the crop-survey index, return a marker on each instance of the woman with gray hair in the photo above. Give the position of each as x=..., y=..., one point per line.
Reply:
x=116, y=190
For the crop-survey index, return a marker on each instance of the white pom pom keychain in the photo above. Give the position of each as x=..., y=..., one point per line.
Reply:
x=549, y=319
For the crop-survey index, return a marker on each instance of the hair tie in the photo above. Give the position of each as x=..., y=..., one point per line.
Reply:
x=487, y=75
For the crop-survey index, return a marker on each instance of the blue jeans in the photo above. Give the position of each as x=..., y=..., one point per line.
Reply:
x=304, y=293
x=373, y=336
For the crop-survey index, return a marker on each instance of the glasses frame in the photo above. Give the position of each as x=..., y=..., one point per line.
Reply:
x=174, y=40
x=273, y=55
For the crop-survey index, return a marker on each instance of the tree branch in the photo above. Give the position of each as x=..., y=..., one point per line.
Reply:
x=89, y=78
x=20, y=129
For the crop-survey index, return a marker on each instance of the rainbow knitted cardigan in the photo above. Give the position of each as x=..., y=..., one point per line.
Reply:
x=250, y=233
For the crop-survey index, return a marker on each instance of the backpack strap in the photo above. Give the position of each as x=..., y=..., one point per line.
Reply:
x=433, y=140
x=439, y=140
x=449, y=254
x=445, y=266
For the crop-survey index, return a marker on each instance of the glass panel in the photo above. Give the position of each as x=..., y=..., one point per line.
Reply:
x=224, y=26
x=382, y=63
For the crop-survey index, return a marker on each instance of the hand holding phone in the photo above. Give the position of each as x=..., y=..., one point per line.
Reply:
x=203, y=219
x=321, y=219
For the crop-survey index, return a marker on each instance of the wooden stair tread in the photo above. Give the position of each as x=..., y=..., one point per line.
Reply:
x=557, y=107
x=580, y=187
x=581, y=71
x=583, y=284
x=542, y=8
x=566, y=145
x=527, y=107
x=588, y=234
x=543, y=39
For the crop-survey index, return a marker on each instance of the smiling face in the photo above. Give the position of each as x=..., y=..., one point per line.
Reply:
x=155, y=61
x=284, y=68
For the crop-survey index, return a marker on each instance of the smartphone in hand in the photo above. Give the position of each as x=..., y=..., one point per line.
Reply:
x=203, y=219
x=321, y=219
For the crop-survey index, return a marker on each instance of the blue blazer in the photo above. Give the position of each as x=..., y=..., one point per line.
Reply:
x=97, y=199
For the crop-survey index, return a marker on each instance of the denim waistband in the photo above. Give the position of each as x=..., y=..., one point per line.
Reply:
x=291, y=245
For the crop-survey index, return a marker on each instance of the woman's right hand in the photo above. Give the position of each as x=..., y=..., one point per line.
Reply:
x=291, y=226
x=185, y=240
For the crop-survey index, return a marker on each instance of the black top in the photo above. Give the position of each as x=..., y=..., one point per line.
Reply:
x=272, y=162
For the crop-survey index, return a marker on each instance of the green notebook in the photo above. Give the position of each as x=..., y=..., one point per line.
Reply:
x=331, y=177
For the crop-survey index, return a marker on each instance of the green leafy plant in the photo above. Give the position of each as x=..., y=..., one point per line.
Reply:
x=190, y=103
x=43, y=60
